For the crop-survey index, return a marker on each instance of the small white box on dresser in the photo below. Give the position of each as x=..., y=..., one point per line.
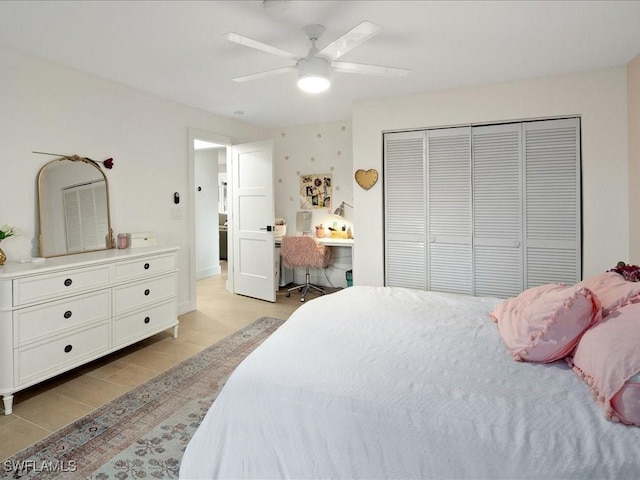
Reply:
x=141, y=239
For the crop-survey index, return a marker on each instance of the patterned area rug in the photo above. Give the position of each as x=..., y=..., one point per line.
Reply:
x=143, y=433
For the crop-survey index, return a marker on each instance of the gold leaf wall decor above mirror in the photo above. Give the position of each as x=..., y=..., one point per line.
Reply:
x=73, y=206
x=366, y=178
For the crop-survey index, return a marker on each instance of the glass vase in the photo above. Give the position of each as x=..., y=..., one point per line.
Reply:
x=3, y=257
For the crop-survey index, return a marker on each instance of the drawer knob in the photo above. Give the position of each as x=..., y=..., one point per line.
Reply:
x=68, y=282
x=67, y=314
x=147, y=319
x=147, y=292
x=68, y=348
x=146, y=266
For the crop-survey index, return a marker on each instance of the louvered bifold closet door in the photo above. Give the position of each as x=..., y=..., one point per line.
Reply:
x=497, y=210
x=552, y=202
x=449, y=210
x=405, y=210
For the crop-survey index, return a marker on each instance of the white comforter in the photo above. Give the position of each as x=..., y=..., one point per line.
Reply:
x=374, y=382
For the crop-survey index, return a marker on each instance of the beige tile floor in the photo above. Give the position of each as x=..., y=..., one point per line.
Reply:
x=46, y=407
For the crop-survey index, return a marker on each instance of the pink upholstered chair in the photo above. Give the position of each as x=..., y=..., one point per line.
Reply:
x=304, y=252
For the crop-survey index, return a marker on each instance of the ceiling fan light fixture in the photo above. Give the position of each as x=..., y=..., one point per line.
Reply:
x=313, y=75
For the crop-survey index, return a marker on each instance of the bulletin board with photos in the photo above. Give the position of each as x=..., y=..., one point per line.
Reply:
x=315, y=191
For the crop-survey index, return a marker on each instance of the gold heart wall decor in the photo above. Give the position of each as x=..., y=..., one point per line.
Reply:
x=366, y=178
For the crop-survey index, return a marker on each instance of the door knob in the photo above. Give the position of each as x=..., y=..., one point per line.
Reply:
x=268, y=228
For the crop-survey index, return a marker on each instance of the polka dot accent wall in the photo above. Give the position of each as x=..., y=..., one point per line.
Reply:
x=312, y=149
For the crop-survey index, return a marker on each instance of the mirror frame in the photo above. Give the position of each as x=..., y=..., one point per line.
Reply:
x=92, y=163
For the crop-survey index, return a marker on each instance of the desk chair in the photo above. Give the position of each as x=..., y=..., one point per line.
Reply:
x=304, y=252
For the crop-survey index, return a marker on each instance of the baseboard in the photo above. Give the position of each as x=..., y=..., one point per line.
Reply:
x=185, y=307
x=209, y=272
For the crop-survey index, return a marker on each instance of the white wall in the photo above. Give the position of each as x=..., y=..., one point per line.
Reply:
x=206, y=212
x=315, y=149
x=52, y=108
x=600, y=98
x=222, y=178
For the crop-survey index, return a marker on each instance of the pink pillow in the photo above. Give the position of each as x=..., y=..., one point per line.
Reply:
x=612, y=290
x=544, y=324
x=626, y=403
x=607, y=358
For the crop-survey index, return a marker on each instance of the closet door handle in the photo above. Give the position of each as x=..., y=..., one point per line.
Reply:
x=432, y=240
x=516, y=243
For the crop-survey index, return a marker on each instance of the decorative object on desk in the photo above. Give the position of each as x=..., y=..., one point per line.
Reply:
x=315, y=191
x=340, y=210
x=343, y=234
x=281, y=227
x=366, y=178
x=303, y=223
x=319, y=231
x=6, y=231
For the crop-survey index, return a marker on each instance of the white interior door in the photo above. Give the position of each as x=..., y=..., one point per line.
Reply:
x=252, y=219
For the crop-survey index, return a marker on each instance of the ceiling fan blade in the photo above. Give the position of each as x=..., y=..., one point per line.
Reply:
x=249, y=42
x=347, y=67
x=256, y=76
x=350, y=40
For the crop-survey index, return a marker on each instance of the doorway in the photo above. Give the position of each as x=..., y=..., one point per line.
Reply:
x=210, y=162
x=207, y=170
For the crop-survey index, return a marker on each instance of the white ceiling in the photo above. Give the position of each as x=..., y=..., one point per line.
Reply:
x=175, y=49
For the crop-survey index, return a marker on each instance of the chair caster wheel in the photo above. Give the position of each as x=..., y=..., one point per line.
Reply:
x=288, y=294
x=302, y=299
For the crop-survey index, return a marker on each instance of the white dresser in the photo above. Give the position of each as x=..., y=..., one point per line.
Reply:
x=66, y=311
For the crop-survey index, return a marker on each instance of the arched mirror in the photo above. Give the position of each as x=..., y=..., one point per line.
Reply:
x=73, y=201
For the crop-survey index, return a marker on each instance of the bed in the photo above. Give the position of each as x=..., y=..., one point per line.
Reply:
x=380, y=382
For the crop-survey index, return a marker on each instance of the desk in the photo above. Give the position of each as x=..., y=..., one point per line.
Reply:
x=336, y=242
x=330, y=242
x=340, y=264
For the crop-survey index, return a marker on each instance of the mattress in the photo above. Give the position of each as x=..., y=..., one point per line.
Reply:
x=377, y=382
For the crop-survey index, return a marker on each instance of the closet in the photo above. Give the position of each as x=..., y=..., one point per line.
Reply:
x=483, y=210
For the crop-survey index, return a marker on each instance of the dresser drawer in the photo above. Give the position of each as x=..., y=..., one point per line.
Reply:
x=42, y=360
x=135, y=295
x=129, y=328
x=42, y=321
x=144, y=267
x=44, y=287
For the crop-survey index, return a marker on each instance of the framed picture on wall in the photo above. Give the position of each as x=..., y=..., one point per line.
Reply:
x=315, y=191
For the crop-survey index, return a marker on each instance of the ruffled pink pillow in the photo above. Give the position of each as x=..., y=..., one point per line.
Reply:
x=612, y=290
x=544, y=324
x=626, y=403
x=608, y=359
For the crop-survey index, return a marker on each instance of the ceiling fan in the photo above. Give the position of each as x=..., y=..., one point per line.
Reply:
x=314, y=68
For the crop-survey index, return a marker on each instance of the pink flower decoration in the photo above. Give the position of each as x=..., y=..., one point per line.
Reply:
x=108, y=163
